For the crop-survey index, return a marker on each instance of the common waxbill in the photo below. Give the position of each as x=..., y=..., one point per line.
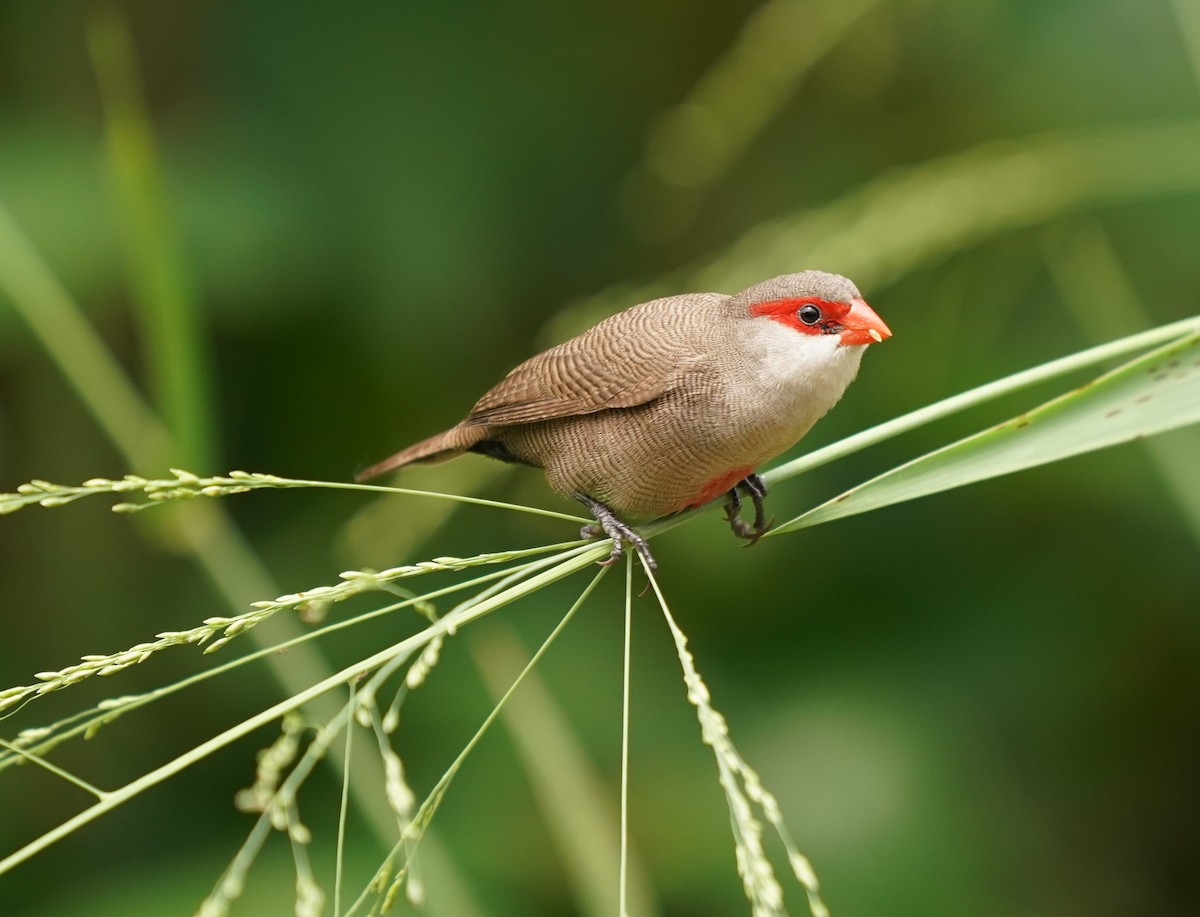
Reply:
x=672, y=402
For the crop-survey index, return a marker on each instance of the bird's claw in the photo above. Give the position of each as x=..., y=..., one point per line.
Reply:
x=743, y=529
x=753, y=533
x=756, y=489
x=607, y=524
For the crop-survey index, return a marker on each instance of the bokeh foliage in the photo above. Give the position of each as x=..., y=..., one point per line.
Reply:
x=979, y=703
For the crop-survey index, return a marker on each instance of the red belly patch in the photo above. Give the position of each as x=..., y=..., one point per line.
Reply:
x=717, y=486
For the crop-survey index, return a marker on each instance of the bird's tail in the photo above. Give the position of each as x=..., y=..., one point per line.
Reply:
x=447, y=445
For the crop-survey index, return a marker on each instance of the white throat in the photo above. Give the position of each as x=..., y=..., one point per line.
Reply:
x=812, y=369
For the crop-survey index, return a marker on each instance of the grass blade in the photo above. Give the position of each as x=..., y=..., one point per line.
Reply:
x=173, y=336
x=1154, y=393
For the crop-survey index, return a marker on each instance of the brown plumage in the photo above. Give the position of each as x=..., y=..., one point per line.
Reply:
x=672, y=402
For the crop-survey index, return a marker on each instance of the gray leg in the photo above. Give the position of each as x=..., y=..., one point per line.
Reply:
x=608, y=524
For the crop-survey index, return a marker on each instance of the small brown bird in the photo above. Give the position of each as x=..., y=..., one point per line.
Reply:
x=672, y=402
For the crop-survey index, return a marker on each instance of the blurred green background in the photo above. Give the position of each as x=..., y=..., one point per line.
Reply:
x=981, y=703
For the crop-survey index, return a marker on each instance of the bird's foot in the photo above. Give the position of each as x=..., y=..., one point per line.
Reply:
x=608, y=525
x=756, y=489
x=751, y=533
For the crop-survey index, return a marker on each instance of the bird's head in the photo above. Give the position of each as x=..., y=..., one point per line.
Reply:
x=816, y=303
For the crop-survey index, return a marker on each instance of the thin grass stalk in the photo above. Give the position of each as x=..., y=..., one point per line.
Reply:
x=58, y=324
x=173, y=333
x=420, y=822
x=625, y=680
x=447, y=624
x=743, y=791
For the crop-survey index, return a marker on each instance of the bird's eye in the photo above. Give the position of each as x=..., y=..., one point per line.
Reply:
x=809, y=314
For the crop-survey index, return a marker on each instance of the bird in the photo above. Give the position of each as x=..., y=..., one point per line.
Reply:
x=672, y=402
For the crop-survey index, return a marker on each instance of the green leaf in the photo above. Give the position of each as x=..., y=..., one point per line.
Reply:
x=1151, y=394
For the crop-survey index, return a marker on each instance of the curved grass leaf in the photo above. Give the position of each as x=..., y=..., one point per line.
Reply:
x=882, y=230
x=1151, y=394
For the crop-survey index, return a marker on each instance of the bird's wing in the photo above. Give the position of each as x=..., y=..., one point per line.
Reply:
x=626, y=360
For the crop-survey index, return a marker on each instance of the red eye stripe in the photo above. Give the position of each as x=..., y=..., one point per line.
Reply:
x=784, y=311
